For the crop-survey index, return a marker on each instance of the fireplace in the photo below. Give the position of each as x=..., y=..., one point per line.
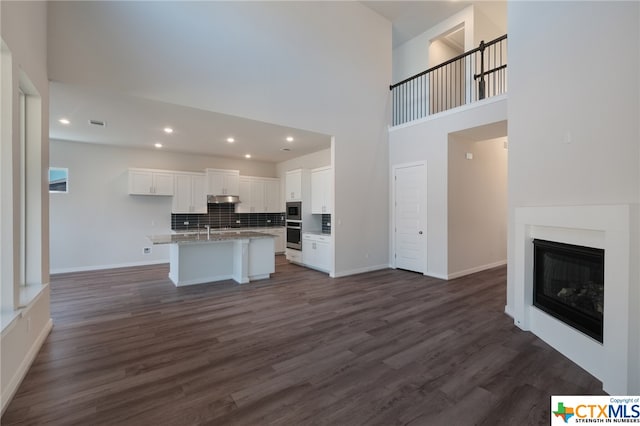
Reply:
x=568, y=283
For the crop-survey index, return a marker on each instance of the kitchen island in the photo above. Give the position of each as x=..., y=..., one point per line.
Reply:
x=197, y=258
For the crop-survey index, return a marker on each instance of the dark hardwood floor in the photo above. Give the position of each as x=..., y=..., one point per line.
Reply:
x=381, y=348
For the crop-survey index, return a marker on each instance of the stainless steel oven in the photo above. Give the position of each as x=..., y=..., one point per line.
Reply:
x=294, y=235
x=294, y=210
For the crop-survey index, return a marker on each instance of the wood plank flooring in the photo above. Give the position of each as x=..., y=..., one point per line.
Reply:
x=381, y=348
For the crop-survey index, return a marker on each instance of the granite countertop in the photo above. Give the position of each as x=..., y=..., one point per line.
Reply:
x=315, y=232
x=202, y=238
x=221, y=230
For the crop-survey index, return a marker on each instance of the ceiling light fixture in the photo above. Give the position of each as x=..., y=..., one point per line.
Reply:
x=247, y=156
x=231, y=140
x=64, y=121
x=168, y=130
x=289, y=138
x=157, y=145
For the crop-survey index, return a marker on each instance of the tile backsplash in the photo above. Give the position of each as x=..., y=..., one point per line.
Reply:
x=224, y=216
x=326, y=223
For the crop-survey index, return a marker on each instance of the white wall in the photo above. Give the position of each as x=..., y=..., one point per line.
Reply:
x=439, y=52
x=319, y=66
x=412, y=57
x=428, y=140
x=309, y=161
x=573, y=114
x=97, y=224
x=477, y=211
x=23, y=30
x=490, y=18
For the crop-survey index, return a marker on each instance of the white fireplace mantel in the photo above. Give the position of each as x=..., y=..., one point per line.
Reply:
x=613, y=228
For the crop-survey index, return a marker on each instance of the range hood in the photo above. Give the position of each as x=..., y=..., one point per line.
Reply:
x=221, y=199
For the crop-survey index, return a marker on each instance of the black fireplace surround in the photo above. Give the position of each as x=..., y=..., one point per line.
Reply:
x=568, y=284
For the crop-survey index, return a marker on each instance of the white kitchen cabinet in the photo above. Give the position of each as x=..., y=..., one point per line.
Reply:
x=294, y=256
x=316, y=251
x=272, y=196
x=293, y=185
x=189, y=195
x=279, y=241
x=321, y=191
x=259, y=195
x=244, y=206
x=150, y=182
x=223, y=182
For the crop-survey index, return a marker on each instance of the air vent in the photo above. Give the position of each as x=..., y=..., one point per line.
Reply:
x=285, y=149
x=97, y=123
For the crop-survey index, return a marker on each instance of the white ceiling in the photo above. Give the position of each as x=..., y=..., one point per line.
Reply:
x=138, y=123
x=141, y=66
x=411, y=18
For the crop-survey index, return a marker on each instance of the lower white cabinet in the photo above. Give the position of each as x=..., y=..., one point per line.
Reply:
x=293, y=255
x=278, y=242
x=316, y=251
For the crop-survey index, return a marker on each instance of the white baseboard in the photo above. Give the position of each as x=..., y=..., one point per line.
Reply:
x=359, y=270
x=112, y=266
x=507, y=310
x=476, y=269
x=434, y=275
x=22, y=370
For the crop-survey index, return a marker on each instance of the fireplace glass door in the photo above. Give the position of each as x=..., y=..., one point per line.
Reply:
x=569, y=284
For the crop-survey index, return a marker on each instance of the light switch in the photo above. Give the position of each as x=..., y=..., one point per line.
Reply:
x=469, y=156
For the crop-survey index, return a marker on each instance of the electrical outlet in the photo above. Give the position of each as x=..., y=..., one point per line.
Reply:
x=268, y=220
x=146, y=250
x=237, y=221
x=186, y=222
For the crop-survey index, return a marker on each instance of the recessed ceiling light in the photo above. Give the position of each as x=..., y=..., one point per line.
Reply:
x=289, y=138
x=157, y=145
x=231, y=140
x=247, y=156
x=168, y=130
x=64, y=121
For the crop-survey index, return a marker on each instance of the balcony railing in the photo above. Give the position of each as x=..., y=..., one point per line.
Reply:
x=474, y=75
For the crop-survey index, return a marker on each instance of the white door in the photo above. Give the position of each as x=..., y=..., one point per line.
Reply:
x=410, y=217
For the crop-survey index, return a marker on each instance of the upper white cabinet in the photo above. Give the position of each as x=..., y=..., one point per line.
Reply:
x=259, y=195
x=223, y=182
x=190, y=194
x=321, y=190
x=150, y=182
x=293, y=185
x=272, y=195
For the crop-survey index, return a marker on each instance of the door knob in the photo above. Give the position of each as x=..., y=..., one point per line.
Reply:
x=420, y=232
